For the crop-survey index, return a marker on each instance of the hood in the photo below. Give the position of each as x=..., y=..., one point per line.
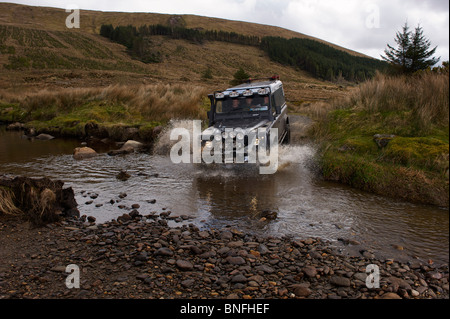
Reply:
x=245, y=124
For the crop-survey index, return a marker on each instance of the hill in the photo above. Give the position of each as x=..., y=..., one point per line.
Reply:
x=91, y=22
x=40, y=52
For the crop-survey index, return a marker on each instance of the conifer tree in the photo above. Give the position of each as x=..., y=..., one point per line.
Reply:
x=413, y=51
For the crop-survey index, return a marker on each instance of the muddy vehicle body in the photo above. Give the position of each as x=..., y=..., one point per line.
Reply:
x=245, y=116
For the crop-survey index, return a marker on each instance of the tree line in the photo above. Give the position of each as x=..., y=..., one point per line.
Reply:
x=319, y=59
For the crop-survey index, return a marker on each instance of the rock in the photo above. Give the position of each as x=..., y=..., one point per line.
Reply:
x=83, y=152
x=142, y=276
x=203, y=234
x=390, y=295
x=399, y=282
x=15, y=126
x=30, y=131
x=124, y=218
x=187, y=283
x=235, y=260
x=195, y=250
x=132, y=144
x=302, y=291
x=340, y=281
x=184, y=265
x=44, y=137
x=262, y=249
x=382, y=140
x=43, y=200
x=142, y=256
x=360, y=276
x=127, y=148
x=123, y=176
x=268, y=215
x=239, y=278
x=310, y=271
x=226, y=235
x=135, y=214
x=59, y=269
x=265, y=268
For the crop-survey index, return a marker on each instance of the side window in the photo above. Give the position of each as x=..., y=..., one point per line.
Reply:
x=278, y=99
x=272, y=101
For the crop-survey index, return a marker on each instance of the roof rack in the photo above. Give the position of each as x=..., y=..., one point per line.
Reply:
x=272, y=78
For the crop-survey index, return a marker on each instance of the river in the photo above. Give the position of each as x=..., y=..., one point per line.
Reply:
x=305, y=205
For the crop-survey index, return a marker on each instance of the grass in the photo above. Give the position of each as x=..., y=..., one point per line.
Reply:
x=415, y=163
x=7, y=205
x=53, y=19
x=67, y=111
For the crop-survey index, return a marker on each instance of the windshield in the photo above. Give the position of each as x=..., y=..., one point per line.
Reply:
x=242, y=104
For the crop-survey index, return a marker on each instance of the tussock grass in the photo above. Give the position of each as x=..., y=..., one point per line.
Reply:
x=425, y=95
x=7, y=206
x=113, y=104
x=416, y=110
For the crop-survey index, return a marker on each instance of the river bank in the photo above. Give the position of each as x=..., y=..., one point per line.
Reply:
x=139, y=256
x=389, y=137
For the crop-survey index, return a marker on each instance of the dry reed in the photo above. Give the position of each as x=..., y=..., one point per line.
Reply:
x=158, y=102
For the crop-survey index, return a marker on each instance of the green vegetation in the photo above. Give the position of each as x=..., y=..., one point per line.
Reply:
x=413, y=52
x=320, y=60
x=42, y=49
x=415, y=163
x=239, y=77
x=114, y=108
x=139, y=45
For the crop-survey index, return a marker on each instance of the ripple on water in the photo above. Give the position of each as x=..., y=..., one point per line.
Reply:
x=219, y=196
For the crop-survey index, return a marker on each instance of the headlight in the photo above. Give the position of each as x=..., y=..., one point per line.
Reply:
x=218, y=137
x=208, y=145
x=234, y=94
x=224, y=135
x=240, y=136
x=232, y=134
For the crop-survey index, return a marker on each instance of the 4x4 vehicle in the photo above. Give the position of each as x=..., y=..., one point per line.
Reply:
x=238, y=112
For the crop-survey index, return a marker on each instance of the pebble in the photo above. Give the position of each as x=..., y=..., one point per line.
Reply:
x=133, y=257
x=184, y=265
x=340, y=281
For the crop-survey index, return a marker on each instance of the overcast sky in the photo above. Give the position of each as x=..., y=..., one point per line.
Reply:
x=365, y=26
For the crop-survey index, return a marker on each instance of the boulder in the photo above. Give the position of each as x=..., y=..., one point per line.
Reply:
x=15, y=127
x=42, y=200
x=84, y=152
x=44, y=137
x=123, y=176
x=382, y=140
x=128, y=147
